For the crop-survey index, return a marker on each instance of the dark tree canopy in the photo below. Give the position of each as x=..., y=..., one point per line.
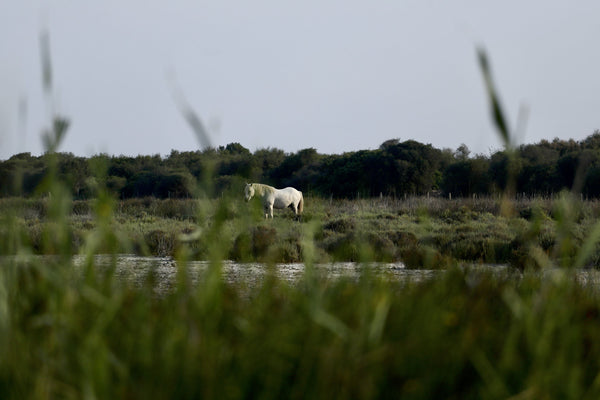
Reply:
x=395, y=168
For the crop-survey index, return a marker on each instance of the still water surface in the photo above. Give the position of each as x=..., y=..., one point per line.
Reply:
x=135, y=269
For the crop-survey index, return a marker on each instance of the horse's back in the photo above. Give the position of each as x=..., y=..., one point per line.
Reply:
x=292, y=193
x=290, y=189
x=286, y=196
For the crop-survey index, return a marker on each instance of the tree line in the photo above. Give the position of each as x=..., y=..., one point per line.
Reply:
x=396, y=168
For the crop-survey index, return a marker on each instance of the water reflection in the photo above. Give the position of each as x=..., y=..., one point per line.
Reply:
x=135, y=269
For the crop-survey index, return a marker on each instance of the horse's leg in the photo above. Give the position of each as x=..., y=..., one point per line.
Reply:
x=271, y=210
x=295, y=208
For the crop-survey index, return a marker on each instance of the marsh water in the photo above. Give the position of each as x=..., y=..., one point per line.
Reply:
x=134, y=270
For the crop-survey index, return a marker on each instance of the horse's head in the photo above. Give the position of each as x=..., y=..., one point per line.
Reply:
x=248, y=191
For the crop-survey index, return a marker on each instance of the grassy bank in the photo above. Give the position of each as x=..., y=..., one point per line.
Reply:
x=422, y=232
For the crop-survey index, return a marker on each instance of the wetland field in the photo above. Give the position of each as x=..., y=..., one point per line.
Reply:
x=420, y=232
x=413, y=298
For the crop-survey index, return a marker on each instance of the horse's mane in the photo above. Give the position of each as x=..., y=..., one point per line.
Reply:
x=261, y=188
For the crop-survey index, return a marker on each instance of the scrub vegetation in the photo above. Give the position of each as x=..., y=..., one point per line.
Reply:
x=421, y=232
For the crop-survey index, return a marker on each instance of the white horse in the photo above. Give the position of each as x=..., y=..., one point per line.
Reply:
x=276, y=198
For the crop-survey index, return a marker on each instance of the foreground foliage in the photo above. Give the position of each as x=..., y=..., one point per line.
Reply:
x=75, y=332
x=465, y=334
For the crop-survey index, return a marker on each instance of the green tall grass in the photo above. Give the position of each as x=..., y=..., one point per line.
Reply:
x=69, y=333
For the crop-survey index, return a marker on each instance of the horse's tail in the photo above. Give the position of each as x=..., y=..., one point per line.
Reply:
x=301, y=204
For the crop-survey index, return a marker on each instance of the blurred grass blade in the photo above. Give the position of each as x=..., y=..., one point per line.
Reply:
x=493, y=379
x=190, y=115
x=521, y=125
x=330, y=322
x=46, y=62
x=51, y=138
x=589, y=246
x=497, y=113
x=379, y=318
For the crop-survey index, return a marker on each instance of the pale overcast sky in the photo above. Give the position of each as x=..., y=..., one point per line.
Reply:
x=334, y=75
